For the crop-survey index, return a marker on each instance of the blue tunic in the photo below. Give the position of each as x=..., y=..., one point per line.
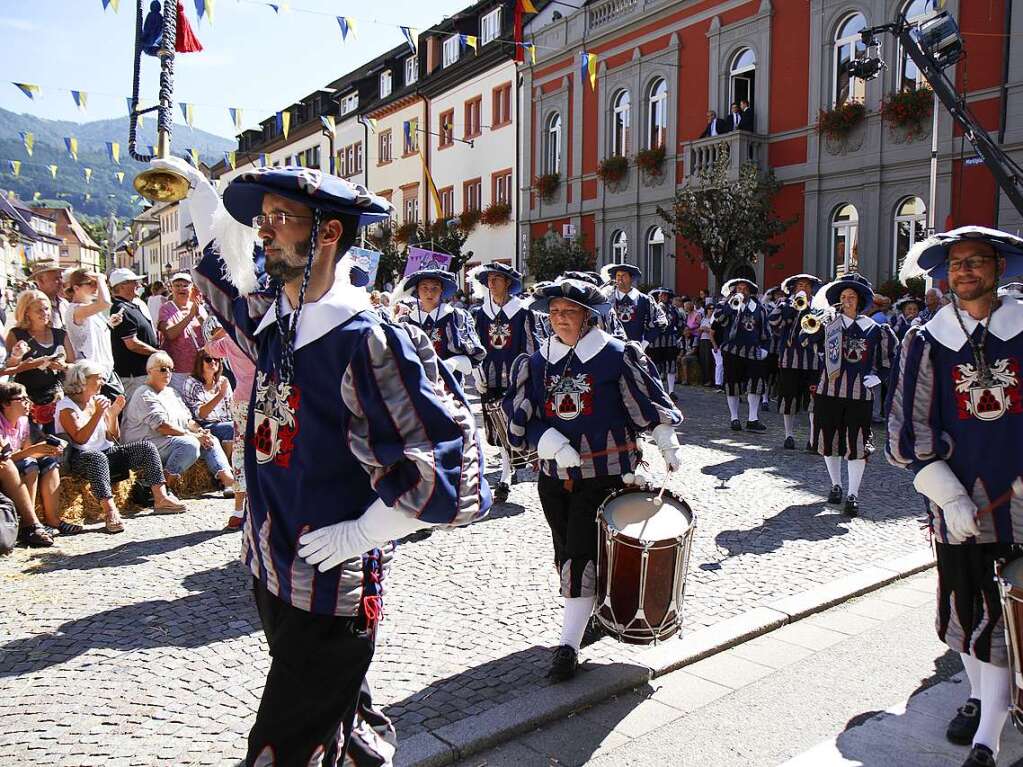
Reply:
x=451, y=331
x=506, y=332
x=670, y=336
x=866, y=349
x=941, y=410
x=640, y=316
x=792, y=353
x=601, y=403
x=365, y=417
x=743, y=333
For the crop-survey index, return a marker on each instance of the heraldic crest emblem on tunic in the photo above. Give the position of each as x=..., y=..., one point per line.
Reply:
x=274, y=425
x=988, y=398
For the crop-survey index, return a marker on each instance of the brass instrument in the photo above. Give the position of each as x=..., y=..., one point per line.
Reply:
x=817, y=319
x=736, y=301
x=800, y=302
x=155, y=184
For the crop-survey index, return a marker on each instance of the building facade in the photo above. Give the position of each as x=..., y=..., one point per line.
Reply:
x=858, y=203
x=78, y=250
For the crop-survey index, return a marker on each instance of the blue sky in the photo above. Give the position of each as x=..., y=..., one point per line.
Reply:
x=252, y=58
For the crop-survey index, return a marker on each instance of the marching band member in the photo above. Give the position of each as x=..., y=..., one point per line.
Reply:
x=507, y=329
x=344, y=409
x=798, y=364
x=908, y=308
x=664, y=349
x=581, y=400
x=607, y=321
x=857, y=353
x=772, y=297
x=744, y=336
x=956, y=421
x=451, y=331
x=641, y=318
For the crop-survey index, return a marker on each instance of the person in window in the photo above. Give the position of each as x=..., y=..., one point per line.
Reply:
x=88, y=326
x=746, y=120
x=714, y=126
x=89, y=419
x=38, y=355
x=734, y=119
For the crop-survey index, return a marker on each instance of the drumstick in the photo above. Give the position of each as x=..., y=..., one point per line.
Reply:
x=610, y=451
x=667, y=476
x=1016, y=491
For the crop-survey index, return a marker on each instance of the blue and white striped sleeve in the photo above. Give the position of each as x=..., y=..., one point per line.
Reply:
x=461, y=338
x=525, y=417
x=656, y=321
x=646, y=403
x=915, y=437
x=417, y=441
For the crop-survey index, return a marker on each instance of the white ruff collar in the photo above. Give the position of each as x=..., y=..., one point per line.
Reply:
x=1006, y=323
x=553, y=350
x=510, y=309
x=865, y=322
x=633, y=293
x=419, y=317
x=751, y=305
x=337, y=306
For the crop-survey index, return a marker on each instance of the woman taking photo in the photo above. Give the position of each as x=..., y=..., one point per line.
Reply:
x=88, y=327
x=89, y=420
x=47, y=352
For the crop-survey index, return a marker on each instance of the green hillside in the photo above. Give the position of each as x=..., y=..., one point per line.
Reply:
x=106, y=194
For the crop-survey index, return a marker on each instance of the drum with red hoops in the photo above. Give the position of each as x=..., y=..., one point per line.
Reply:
x=1010, y=584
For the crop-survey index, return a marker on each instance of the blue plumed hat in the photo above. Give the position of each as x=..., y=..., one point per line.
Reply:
x=788, y=284
x=930, y=257
x=321, y=191
x=449, y=286
x=608, y=272
x=833, y=290
x=657, y=291
x=729, y=287
x=481, y=273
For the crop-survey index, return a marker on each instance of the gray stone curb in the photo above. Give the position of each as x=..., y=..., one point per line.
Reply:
x=458, y=740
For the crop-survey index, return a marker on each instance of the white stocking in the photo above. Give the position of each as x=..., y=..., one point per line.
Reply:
x=972, y=666
x=506, y=467
x=577, y=613
x=790, y=425
x=994, y=704
x=733, y=407
x=754, y=406
x=856, y=469
x=671, y=382
x=810, y=416
x=834, y=464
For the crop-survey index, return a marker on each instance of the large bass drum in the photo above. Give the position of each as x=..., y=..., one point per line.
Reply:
x=642, y=563
x=1010, y=584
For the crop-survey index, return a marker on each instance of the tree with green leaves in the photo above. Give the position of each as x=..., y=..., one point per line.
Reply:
x=724, y=222
x=553, y=255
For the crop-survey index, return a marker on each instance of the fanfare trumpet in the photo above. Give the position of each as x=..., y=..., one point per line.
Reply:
x=800, y=302
x=736, y=301
x=156, y=184
x=816, y=319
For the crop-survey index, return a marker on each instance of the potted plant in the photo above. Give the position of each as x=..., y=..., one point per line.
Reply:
x=651, y=161
x=909, y=110
x=496, y=214
x=468, y=219
x=613, y=169
x=406, y=232
x=836, y=124
x=547, y=184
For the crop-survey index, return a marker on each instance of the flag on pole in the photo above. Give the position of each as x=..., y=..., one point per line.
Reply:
x=469, y=40
x=438, y=210
x=368, y=121
x=532, y=53
x=53, y=171
x=347, y=27
x=328, y=122
x=188, y=111
x=410, y=38
x=284, y=122
x=204, y=7
x=15, y=167
x=229, y=158
x=236, y=117
x=527, y=6
x=88, y=175
x=29, y=140
x=111, y=3
x=114, y=152
x=81, y=99
x=28, y=89
x=588, y=62
x=119, y=176
x=193, y=155
x=72, y=147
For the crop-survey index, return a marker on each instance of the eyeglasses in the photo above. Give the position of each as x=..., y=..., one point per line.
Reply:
x=276, y=220
x=970, y=264
x=211, y=360
x=164, y=369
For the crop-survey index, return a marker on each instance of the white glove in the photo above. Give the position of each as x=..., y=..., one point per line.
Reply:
x=870, y=381
x=567, y=457
x=761, y=353
x=667, y=442
x=458, y=364
x=330, y=546
x=960, y=519
x=203, y=200
x=550, y=443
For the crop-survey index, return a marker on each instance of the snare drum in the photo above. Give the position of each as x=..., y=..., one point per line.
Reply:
x=1010, y=584
x=642, y=563
x=496, y=428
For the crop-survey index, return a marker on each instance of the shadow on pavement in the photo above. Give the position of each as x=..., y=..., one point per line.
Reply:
x=125, y=555
x=803, y=522
x=223, y=609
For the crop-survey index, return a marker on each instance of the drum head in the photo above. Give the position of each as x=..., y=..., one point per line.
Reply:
x=1013, y=573
x=638, y=515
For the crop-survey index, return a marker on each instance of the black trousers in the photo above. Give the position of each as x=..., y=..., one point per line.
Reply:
x=572, y=517
x=313, y=687
x=705, y=351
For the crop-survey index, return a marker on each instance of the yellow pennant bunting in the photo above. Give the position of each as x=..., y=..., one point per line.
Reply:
x=29, y=140
x=532, y=54
x=53, y=171
x=188, y=112
x=28, y=89
x=15, y=167
x=72, y=147
x=88, y=175
x=236, y=117
x=81, y=99
x=111, y=4
x=230, y=158
x=120, y=176
x=194, y=154
x=114, y=152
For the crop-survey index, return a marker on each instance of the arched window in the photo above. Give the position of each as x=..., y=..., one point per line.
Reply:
x=848, y=46
x=619, y=247
x=655, y=255
x=621, y=120
x=910, y=228
x=908, y=77
x=657, y=114
x=552, y=145
x=743, y=76
x=845, y=253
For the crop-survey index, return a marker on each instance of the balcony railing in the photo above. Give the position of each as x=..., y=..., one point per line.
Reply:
x=737, y=148
x=609, y=10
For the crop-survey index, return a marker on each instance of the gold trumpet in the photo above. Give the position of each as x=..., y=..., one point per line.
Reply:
x=736, y=301
x=800, y=302
x=816, y=319
x=155, y=184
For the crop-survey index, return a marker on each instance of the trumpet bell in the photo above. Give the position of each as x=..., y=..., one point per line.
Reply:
x=160, y=185
x=810, y=324
x=800, y=303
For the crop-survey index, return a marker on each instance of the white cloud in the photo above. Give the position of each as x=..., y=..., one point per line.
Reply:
x=22, y=25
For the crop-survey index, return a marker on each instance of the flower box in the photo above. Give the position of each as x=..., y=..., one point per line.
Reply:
x=909, y=110
x=496, y=214
x=613, y=169
x=836, y=124
x=547, y=185
x=651, y=161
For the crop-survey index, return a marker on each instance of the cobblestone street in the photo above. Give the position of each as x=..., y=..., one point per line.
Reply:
x=145, y=648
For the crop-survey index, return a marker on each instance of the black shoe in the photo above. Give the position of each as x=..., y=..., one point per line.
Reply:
x=501, y=492
x=595, y=631
x=836, y=495
x=736, y=426
x=964, y=725
x=564, y=664
x=980, y=756
x=790, y=443
x=765, y=407
x=755, y=426
x=809, y=447
x=852, y=506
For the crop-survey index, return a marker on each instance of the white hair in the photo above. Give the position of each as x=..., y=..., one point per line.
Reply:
x=159, y=358
x=77, y=374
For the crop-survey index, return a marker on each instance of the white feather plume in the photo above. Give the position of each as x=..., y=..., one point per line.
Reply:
x=476, y=288
x=236, y=245
x=911, y=265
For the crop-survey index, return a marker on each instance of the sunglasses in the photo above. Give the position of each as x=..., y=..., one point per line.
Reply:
x=164, y=369
x=211, y=360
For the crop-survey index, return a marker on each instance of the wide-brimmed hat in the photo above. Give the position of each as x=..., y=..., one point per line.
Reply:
x=833, y=290
x=930, y=256
x=449, y=286
x=578, y=291
x=657, y=291
x=906, y=300
x=43, y=266
x=788, y=283
x=515, y=278
x=591, y=277
x=608, y=271
x=729, y=287
x=243, y=197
